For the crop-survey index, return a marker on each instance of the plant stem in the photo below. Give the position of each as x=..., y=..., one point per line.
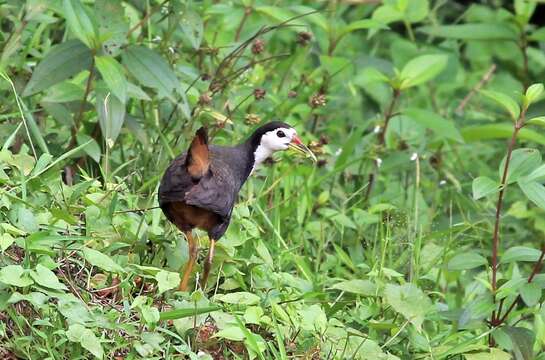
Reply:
x=247, y=12
x=381, y=138
x=77, y=119
x=503, y=186
x=146, y=17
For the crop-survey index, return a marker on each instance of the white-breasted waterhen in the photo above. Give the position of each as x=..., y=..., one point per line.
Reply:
x=200, y=187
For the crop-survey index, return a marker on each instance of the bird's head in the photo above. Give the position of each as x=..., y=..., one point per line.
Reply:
x=277, y=136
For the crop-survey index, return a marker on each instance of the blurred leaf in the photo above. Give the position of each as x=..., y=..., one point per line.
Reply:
x=523, y=162
x=520, y=253
x=113, y=75
x=183, y=313
x=112, y=25
x=534, y=191
x=60, y=63
x=483, y=186
x=494, y=354
x=530, y=293
x=192, y=27
x=499, y=131
x=505, y=101
x=91, y=147
x=101, y=260
x=422, y=69
x=240, y=298
x=78, y=333
x=471, y=31
x=357, y=286
x=111, y=115
x=466, y=261
x=233, y=333
x=151, y=70
x=534, y=92
x=15, y=275
x=441, y=126
x=538, y=34
x=362, y=24
x=523, y=341
x=167, y=280
x=538, y=120
x=80, y=22
x=409, y=301
x=45, y=277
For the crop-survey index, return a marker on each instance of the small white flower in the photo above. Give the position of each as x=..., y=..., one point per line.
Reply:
x=157, y=38
x=164, y=10
x=376, y=130
x=378, y=161
x=442, y=182
x=338, y=152
x=414, y=156
x=171, y=49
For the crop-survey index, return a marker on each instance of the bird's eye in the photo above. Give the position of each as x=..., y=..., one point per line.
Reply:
x=280, y=133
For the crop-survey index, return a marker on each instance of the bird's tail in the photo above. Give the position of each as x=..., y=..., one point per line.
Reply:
x=198, y=159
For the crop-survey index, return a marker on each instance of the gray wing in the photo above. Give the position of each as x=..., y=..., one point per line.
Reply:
x=216, y=192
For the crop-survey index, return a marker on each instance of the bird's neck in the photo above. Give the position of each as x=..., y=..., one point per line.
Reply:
x=256, y=153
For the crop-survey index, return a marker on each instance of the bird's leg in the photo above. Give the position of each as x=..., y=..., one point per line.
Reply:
x=188, y=268
x=208, y=263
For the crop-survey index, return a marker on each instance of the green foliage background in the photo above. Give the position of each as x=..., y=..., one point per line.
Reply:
x=384, y=250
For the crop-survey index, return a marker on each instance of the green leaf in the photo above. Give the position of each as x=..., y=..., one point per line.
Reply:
x=233, y=333
x=112, y=25
x=523, y=162
x=80, y=22
x=111, y=115
x=422, y=69
x=520, y=253
x=362, y=24
x=113, y=75
x=538, y=175
x=189, y=312
x=167, y=280
x=538, y=34
x=60, y=63
x=483, y=186
x=150, y=314
x=88, y=340
x=409, y=301
x=192, y=27
x=505, y=101
x=466, y=261
x=47, y=278
x=530, y=293
x=101, y=260
x=151, y=70
x=313, y=318
x=441, y=126
x=240, y=298
x=15, y=275
x=533, y=93
x=523, y=342
x=494, y=354
x=357, y=286
x=6, y=240
x=534, y=191
x=499, y=131
x=538, y=120
x=92, y=148
x=471, y=31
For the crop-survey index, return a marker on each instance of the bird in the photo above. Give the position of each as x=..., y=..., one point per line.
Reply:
x=200, y=187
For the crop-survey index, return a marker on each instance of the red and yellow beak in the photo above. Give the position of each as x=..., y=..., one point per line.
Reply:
x=297, y=145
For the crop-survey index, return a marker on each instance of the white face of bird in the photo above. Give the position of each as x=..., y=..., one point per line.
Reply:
x=277, y=140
